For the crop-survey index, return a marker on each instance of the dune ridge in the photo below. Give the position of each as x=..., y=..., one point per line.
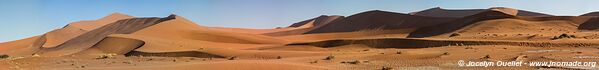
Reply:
x=90, y=38
x=440, y=12
x=304, y=26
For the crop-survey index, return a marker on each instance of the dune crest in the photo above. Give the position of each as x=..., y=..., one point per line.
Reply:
x=458, y=13
x=72, y=30
x=304, y=26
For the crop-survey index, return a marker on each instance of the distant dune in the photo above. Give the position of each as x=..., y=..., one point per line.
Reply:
x=376, y=19
x=440, y=12
x=305, y=26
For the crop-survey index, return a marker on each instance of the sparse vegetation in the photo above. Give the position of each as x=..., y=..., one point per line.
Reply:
x=533, y=36
x=4, y=56
x=454, y=34
x=386, y=68
x=330, y=57
x=232, y=58
x=351, y=62
x=469, y=48
x=312, y=62
x=486, y=57
x=446, y=53
x=104, y=56
x=563, y=36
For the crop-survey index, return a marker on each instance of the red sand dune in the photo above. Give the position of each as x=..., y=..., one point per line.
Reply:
x=304, y=26
x=457, y=24
x=70, y=31
x=90, y=38
x=93, y=24
x=376, y=19
x=440, y=12
x=21, y=47
x=430, y=39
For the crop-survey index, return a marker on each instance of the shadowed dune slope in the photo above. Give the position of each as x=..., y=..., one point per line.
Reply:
x=88, y=39
x=72, y=30
x=378, y=20
x=590, y=24
x=590, y=14
x=499, y=22
x=320, y=20
x=457, y=24
x=304, y=26
x=440, y=12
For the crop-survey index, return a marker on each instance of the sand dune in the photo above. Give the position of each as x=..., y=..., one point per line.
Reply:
x=373, y=40
x=59, y=36
x=93, y=24
x=378, y=20
x=457, y=24
x=440, y=12
x=304, y=26
x=115, y=45
x=70, y=31
x=181, y=28
x=23, y=47
x=88, y=39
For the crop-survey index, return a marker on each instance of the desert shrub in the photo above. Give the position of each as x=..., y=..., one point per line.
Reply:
x=563, y=36
x=312, y=62
x=454, y=34
x=232, y=58
x=4, y=56
x=386, y=68
x=330, y=57
x=351, y=62
x=104, y=56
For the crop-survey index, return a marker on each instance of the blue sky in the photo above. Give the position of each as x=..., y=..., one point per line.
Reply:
x=25, y=18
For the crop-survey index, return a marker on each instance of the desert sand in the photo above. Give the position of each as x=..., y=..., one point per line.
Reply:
x=434, y=39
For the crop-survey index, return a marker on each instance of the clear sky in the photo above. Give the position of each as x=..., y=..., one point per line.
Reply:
x=25, y=18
